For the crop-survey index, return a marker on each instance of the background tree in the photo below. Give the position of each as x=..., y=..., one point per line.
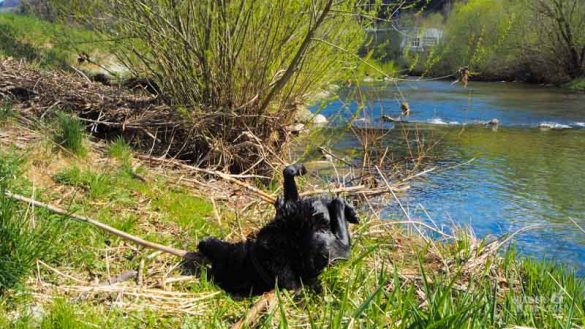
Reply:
x=531, y=40
x=561, y=27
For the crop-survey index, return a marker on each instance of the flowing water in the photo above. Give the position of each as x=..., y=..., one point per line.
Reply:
x=531, y=170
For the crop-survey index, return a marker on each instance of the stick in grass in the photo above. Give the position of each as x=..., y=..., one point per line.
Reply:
x=100, y=225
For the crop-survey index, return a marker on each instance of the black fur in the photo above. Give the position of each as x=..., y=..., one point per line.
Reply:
x=305, y=236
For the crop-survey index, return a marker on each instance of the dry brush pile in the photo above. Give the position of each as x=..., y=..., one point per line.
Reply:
x=108, y=110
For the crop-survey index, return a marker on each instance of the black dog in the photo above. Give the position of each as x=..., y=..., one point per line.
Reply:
x=292, y=250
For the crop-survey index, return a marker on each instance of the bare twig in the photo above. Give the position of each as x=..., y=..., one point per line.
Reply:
x=324, y=150
x=231, y=178
x=65, y=275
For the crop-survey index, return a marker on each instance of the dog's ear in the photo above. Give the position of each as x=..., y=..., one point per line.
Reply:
x=350, y=214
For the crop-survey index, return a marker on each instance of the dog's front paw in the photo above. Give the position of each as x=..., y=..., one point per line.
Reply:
x=350, y=214
x=297, y=169
x=316, y=286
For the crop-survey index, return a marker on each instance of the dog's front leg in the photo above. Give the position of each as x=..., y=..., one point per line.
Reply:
x=339, y=226
x=291, y=192
x=213, y=248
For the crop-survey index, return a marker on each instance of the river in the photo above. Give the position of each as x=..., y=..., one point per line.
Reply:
x=531, y=170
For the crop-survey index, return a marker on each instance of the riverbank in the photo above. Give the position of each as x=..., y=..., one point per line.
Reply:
x=57, y=273
x=399, y=275
x=577, y=85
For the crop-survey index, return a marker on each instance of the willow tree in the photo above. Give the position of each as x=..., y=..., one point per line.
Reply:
x=236, y=69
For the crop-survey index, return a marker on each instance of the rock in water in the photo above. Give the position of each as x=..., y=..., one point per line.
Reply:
x=494, y=122
x=320, y=119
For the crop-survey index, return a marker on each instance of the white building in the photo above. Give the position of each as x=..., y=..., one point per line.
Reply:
x=421, y=40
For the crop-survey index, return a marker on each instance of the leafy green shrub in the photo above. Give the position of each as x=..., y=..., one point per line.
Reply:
x=508, y=39
x=69, y=134
x=577, y=84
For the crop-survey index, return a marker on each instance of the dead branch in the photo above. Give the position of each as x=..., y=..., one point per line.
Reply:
x=230, y=178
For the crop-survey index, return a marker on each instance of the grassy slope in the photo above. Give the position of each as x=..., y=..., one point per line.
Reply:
x=44, y=43
x=394, y=279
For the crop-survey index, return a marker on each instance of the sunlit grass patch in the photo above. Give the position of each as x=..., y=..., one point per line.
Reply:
x=70, y=134
x=44, y=43
x=191, y=213
x=62, y=315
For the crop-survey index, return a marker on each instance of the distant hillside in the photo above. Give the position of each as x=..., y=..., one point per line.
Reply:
x=9, y=3
x=9, y=6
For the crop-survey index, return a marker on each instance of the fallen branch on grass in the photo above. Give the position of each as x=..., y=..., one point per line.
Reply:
x=100, y=225
x=265, y=303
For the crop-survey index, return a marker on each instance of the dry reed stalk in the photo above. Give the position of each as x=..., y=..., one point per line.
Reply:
x=235, y=179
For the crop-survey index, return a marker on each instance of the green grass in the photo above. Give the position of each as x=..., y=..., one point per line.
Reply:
x=70, y=134
x=189, y=212
x=120, y=150
x=96, y=184
x=47, y=44
x=22, y=239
